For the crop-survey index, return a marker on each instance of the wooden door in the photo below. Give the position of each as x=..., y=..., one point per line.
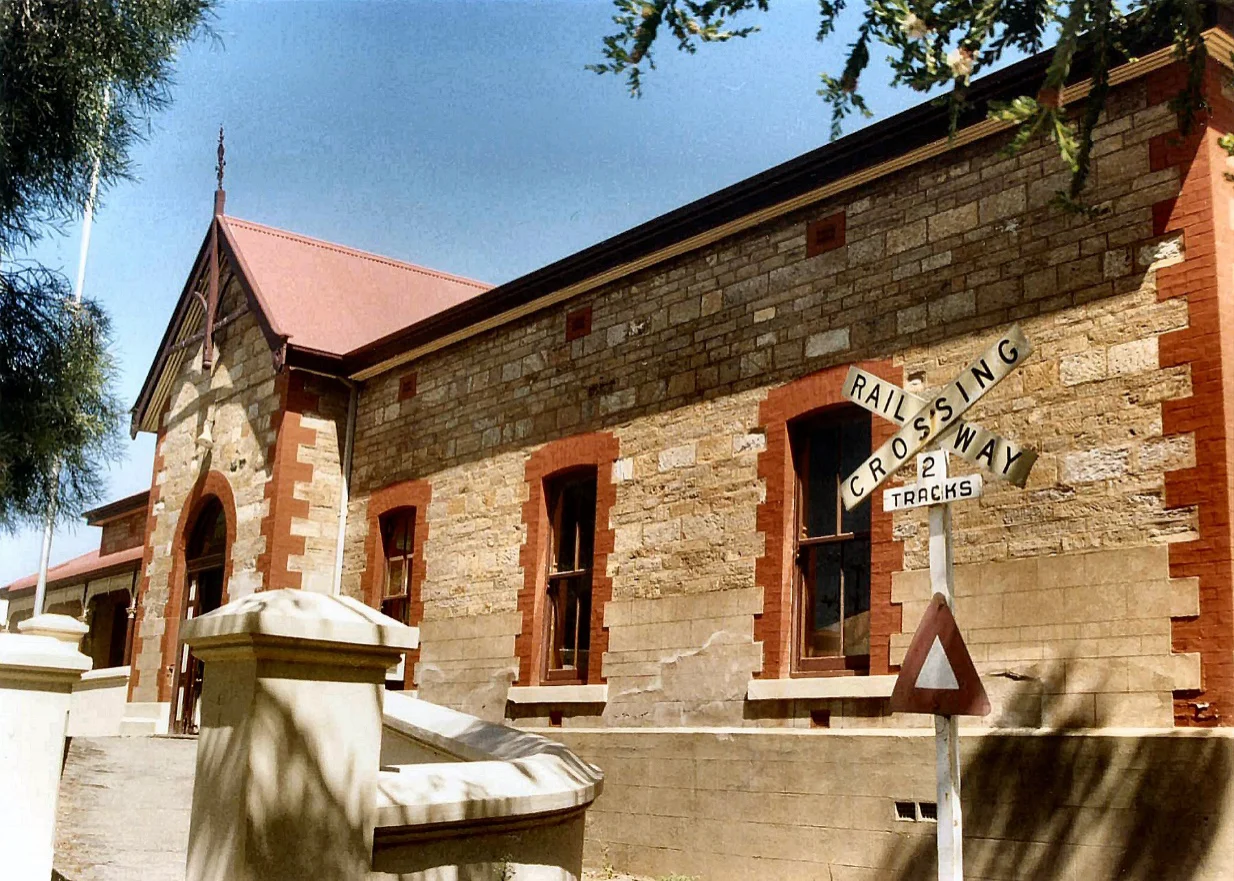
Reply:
x=205, y=555
x=205, y=593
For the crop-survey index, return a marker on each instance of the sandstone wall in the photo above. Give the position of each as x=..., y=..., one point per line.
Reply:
x=315, y=481
x=240, y=398
x=788, y=804
x=275, y=464
x=934, y=260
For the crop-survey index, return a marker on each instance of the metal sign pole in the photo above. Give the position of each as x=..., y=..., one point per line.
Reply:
x=946, y=728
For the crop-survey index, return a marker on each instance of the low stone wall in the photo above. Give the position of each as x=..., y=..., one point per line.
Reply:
x=460, y=798
x=98, y=706
x=723, y=804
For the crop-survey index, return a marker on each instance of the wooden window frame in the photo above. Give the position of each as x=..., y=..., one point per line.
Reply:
x=840, y=664
x=577, y=675
x=389, y=523
x=597, y=450
x=406, y=495
x=774, y=570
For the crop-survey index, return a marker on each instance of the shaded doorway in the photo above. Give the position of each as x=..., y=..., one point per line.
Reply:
x=108, y=639
x=204, y=557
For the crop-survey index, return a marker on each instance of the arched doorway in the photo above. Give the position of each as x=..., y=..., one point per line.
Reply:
x=204, y=558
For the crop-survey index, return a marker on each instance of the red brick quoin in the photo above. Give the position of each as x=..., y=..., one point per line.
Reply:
x=1201, y=213
x=599, y=450
x=774, y=570
x=286, y=470
x=405, y=494
x=211, y=485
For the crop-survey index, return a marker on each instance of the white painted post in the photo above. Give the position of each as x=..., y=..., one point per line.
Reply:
x=946, y=728
x=38, y=668
x=290, y=741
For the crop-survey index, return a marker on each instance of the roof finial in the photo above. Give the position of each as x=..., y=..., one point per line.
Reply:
x=222, y=163
x=220, y=194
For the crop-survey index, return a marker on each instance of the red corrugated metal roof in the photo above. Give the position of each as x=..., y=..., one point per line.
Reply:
x=81, y=568
x=333, y=299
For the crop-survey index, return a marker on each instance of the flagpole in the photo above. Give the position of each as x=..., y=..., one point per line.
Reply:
x=40, y=588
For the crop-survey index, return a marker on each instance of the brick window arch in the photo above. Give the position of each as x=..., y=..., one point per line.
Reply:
x=776, y=571
x=561, y=475
x=397, y=522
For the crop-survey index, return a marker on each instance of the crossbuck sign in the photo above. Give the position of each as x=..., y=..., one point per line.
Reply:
x=939, y=415
x=935, y=420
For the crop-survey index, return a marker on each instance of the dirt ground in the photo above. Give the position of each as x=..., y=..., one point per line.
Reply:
x=610, y=875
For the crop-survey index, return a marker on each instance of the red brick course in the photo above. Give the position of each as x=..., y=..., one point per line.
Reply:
x=825, y=234
x=1207, y=413
x=405, y=494
x=599, y=449
x=773, y=571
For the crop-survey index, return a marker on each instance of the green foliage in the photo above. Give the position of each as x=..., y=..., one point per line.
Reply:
x=61, y=65
x=55, y=403
x=945, y=43
x=78, y=82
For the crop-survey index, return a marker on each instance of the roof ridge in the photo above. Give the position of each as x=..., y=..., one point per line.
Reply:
x=355, y=252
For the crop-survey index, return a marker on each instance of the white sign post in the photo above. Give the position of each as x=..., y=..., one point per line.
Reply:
x=935, y=419
x=946, y=728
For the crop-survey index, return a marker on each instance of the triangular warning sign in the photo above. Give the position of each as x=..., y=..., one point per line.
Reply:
x=938, y=676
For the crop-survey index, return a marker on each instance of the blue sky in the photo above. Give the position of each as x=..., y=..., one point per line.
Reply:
x=460, y=134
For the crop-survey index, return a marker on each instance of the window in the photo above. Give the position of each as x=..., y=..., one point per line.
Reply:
x=398, y=537
x=831, y=598
x=570, y=492
x=208, y=541
x=571, y=502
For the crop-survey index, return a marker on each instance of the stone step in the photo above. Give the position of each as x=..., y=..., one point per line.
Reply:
x=138, y=727
x=147, y=718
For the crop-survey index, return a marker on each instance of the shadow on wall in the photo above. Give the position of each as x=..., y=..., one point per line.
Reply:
x=1044, y=806
x=277, y=760
x=288, y=796
x=258, y=756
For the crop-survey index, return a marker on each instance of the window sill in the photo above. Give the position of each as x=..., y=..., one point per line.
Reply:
x=820, y=687
x=558, y=694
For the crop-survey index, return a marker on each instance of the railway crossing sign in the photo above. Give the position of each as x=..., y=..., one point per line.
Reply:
x=941, y=414
x=1000, y=457
x=937, y=675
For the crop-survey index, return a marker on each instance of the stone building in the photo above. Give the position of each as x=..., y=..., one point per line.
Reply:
x=606, y=491
x=100, y=587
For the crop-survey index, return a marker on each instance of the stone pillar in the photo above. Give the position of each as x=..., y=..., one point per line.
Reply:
x=289, y=743
x=38, y=668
